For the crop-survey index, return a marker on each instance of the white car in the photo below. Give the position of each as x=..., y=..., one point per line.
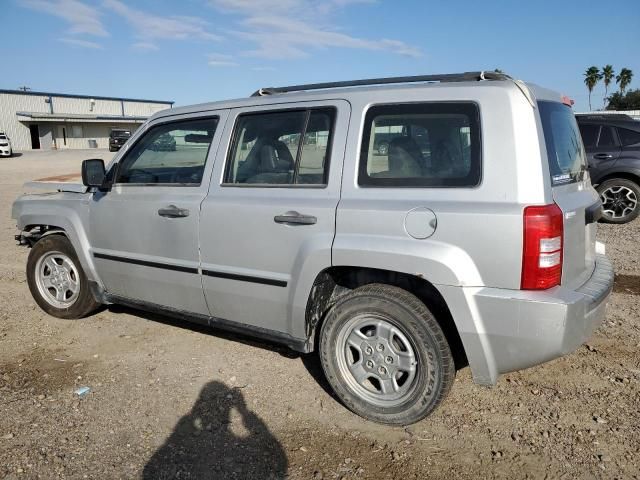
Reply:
x=5, y=146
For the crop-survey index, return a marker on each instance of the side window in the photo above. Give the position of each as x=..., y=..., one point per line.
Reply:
x=281, y=148
x=606, y=137
x=421, y=145
x=628, y=137
x=171, y=153
x=589, y=134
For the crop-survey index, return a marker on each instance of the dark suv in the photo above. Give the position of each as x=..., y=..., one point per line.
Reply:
x=117, y=138
x=612, y=142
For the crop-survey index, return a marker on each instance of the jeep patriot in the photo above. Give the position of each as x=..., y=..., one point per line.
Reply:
x=468, y=239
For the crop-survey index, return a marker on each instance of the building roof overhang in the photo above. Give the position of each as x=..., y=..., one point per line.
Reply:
x=76, y=118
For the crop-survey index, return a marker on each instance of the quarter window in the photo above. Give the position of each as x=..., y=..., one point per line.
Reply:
x=281, y=148
x=628, y=137
x=421, y=145
x=171, y=153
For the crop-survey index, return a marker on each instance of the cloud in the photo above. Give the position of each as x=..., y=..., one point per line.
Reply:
x=82, y=18
x=221, y=60
x=285, y=29
x=150, y=26
x=76, y=42
x=144, y=46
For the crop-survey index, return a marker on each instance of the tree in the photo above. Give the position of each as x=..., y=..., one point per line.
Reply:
x=628, y=101
x=497, y=70
x=608, y=74
x=591, y=78
x=624, y=79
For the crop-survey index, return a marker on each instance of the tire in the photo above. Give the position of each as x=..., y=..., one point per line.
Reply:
x=620, y=199
x=383, y=149
x=76, y=300
x=397, y=315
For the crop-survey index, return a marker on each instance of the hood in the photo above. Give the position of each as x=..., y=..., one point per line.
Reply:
x=71, y=182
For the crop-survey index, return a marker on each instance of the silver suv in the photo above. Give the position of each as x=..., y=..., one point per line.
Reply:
x=469, y=239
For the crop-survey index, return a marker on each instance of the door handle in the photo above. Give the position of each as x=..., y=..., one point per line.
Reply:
x=603, y=156
x=172, y=211
x=295, y=218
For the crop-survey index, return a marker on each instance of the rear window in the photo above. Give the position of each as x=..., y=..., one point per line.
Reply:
x=564, y=144
x=421, y=145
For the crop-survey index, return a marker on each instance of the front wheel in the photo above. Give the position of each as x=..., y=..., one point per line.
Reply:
x=56, y=279
x=385, y=355
x=620, y=200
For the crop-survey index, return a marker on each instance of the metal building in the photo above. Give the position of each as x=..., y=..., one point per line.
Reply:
x=43, y=120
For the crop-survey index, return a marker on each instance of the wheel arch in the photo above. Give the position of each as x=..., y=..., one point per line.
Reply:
x=627, y=175
x=334, y=282
x=57, y=222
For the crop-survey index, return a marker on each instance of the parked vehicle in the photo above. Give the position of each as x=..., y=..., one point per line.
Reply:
x=397, y=269
x=612, y=142
x=117, y=138
x=164, y=143
x=5, y=145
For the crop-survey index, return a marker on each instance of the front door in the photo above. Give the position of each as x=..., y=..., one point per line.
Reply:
x=268, y=223
x=144, y=232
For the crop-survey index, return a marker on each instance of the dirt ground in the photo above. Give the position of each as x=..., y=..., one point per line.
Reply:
x=171, y=400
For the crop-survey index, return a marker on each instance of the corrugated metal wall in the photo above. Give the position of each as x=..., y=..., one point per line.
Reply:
x=83, y=106
x=9, y=105
x=18, y=132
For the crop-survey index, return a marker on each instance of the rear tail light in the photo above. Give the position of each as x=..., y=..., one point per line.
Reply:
x=542, y=247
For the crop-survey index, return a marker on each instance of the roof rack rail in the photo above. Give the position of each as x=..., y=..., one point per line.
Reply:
x=445, y=77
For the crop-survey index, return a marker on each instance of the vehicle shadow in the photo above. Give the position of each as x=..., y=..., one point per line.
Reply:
x=310, y=361
x=220, y=438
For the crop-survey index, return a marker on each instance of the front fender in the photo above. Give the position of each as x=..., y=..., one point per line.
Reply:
x=65, y=210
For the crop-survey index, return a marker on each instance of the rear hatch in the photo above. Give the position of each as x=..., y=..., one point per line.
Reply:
x=572, y=191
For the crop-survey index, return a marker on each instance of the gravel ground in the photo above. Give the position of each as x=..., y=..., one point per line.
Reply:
x=171, y=400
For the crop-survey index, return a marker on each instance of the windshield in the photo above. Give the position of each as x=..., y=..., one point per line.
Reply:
x=564, y=144
x=121, y=133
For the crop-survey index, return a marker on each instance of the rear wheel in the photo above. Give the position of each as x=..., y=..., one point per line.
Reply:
x=56, y=279
x=385, y=355
x=620, y=200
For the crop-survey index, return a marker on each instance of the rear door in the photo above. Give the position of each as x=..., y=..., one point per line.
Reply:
x=268, y=223
x=572, y=191
x=602, y=147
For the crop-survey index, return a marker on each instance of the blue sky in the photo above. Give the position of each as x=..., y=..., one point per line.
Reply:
x=194, y=51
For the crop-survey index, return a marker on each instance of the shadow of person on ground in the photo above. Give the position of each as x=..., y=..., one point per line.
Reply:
x=219, y=439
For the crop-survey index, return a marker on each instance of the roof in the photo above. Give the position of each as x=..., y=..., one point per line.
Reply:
x=71, y=95
x=350, y=93
x=76, y=117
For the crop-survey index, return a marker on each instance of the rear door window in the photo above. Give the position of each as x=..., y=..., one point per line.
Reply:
x=628, y=137
x=589, y=134
x=282, y=148
x=607, y=138
x=421, y=145
x=565, y=151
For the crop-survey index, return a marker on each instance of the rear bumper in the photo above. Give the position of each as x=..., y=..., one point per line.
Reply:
x=513, y=329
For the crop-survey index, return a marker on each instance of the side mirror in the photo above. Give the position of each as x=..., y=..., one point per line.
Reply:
x=93, y=172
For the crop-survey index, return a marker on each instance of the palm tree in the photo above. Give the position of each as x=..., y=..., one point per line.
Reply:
x=607, y=75
x=591, y=77
x=624, y=79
